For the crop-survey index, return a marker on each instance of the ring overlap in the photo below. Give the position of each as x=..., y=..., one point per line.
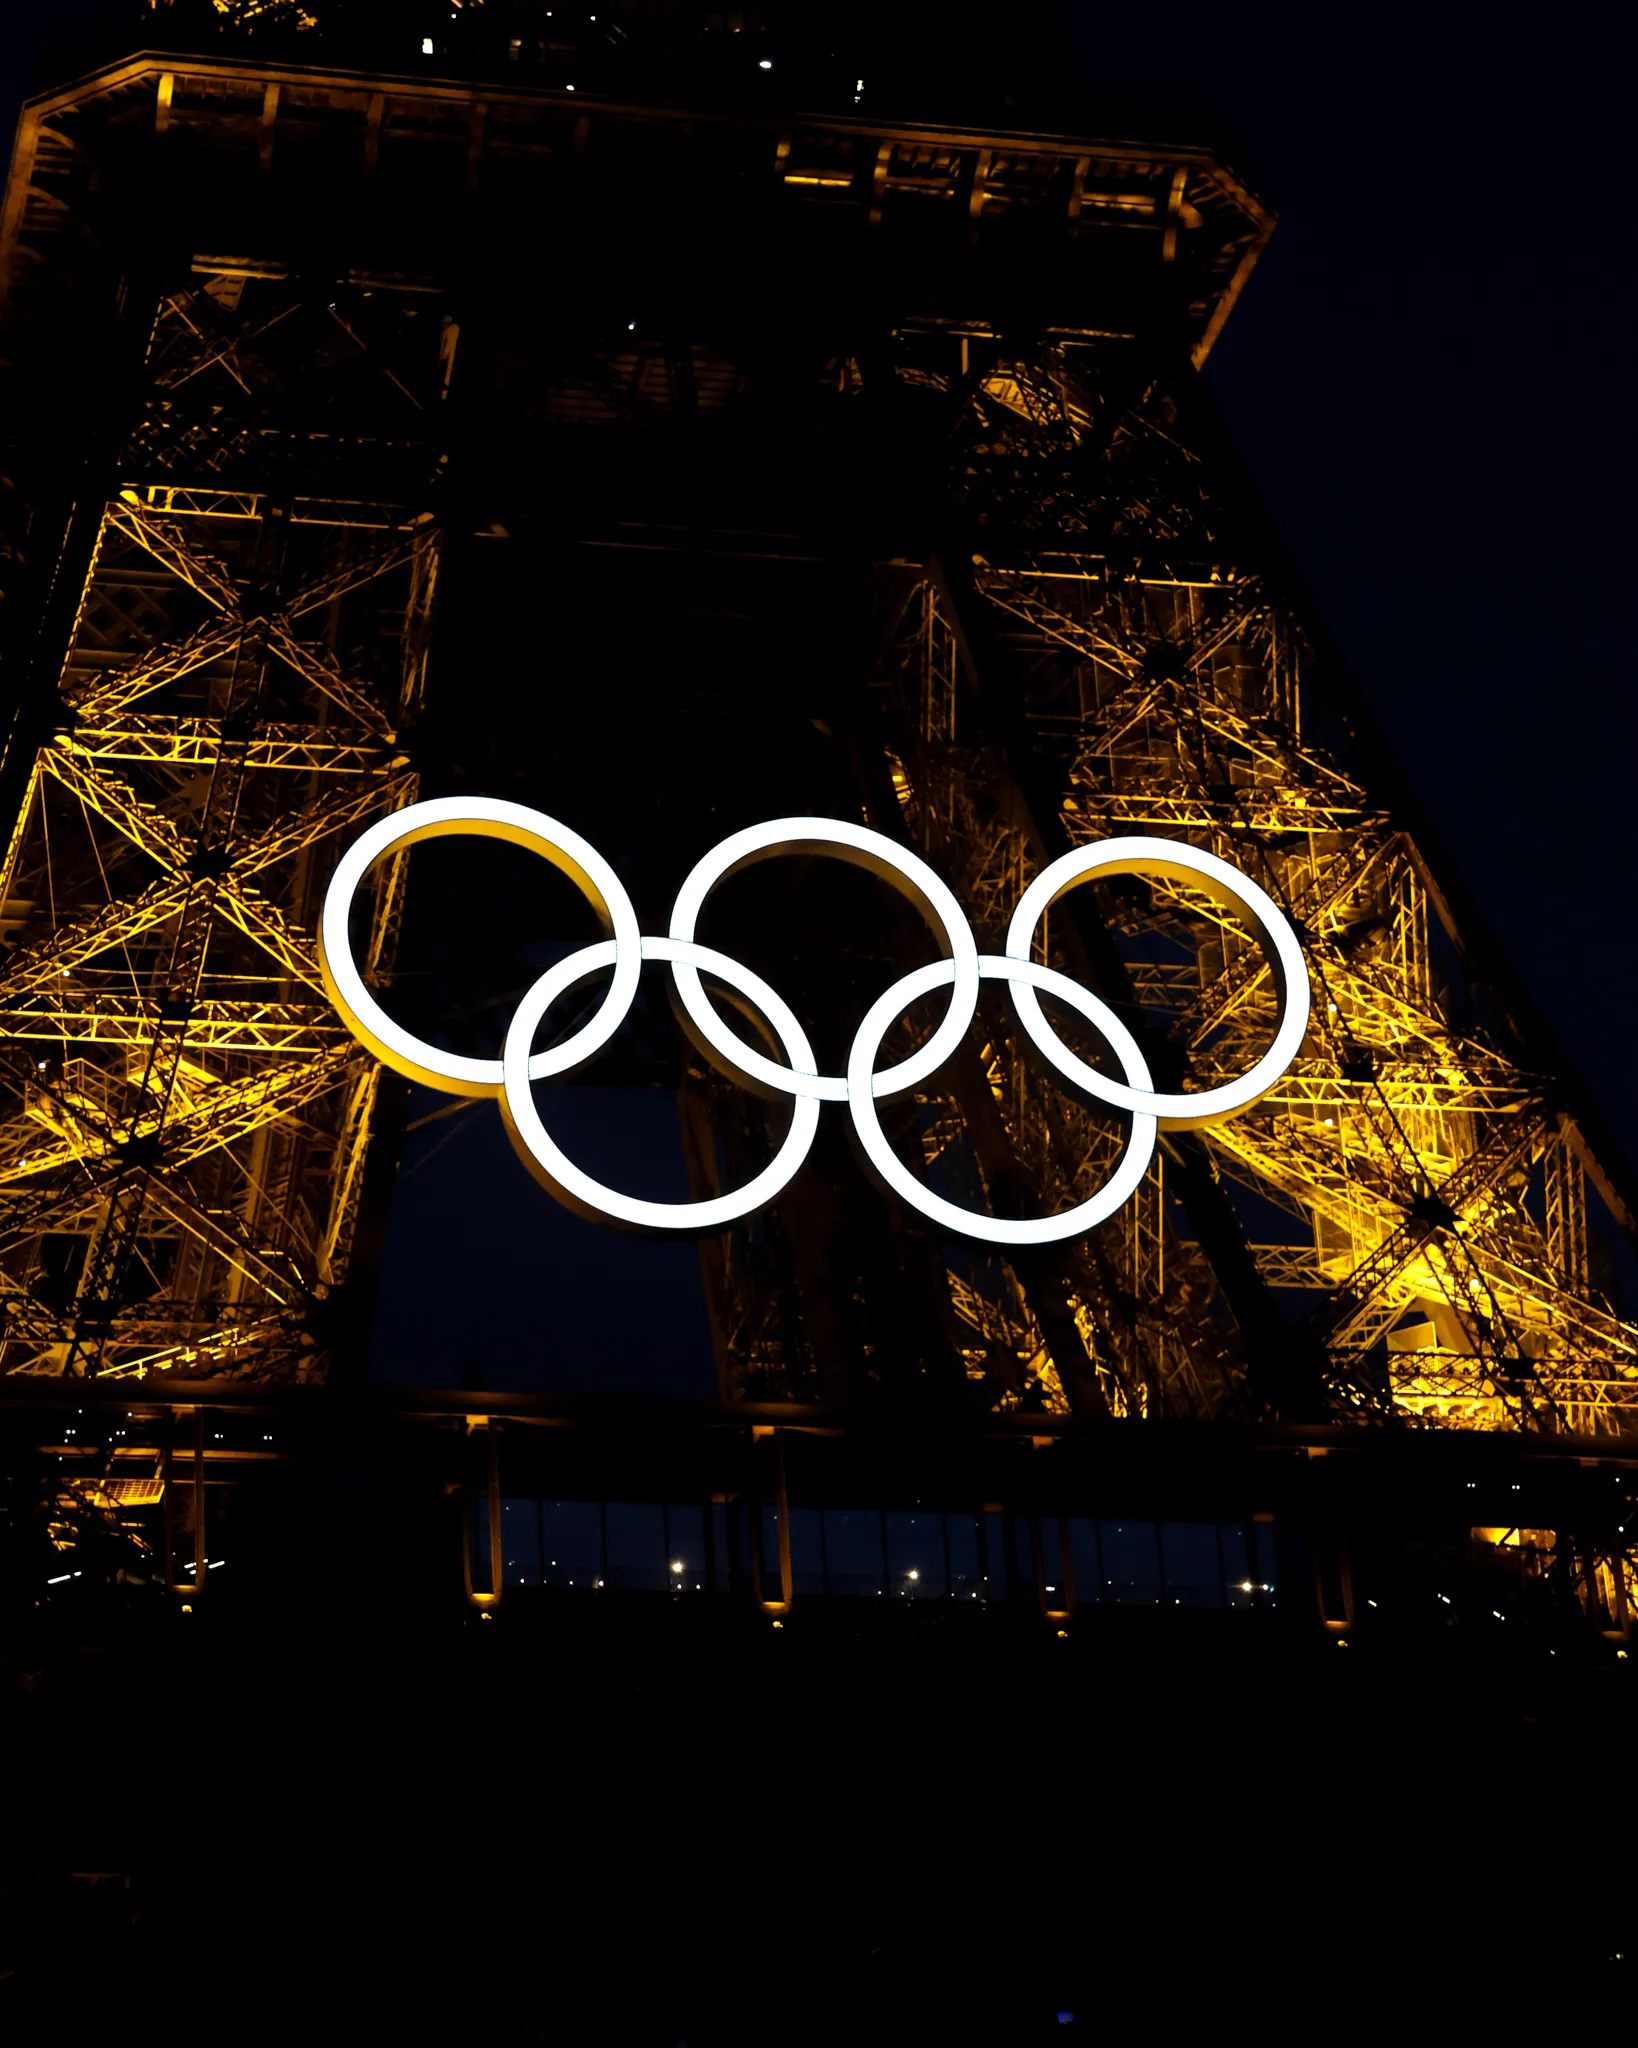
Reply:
x=961, y=969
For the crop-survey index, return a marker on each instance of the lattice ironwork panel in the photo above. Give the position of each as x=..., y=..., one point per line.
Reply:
x=185, y=1124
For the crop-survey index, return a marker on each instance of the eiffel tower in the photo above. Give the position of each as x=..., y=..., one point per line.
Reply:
x=660, y=416
x=296, y=325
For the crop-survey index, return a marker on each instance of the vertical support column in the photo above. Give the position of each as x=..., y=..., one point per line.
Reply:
x=486, y=1493
x=270, y=116
x=768, y=1456
x=1566, y=1188
x=201, y=1555
x=1052, y=1531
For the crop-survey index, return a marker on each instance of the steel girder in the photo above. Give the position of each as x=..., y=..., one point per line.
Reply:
x=182, y=1165
x=1434, y=1188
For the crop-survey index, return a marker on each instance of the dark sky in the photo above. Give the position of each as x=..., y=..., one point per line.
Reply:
x=1431, y=377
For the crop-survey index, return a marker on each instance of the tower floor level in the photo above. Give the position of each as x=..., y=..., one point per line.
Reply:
x=673, y=466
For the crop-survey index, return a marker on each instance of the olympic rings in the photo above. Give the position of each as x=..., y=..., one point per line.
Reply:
x=913, y=879
x=1171, y=861
x=963, y=1222
x=577, y=1190
x=961, y=970
x=479, y=818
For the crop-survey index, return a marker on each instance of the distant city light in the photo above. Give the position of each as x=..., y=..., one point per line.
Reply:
x=765, y=64
x=426, y=46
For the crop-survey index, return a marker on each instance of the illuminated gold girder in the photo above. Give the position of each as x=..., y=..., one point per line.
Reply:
x=181, y=1168
x=1436, y=1254
x=1412, y=1198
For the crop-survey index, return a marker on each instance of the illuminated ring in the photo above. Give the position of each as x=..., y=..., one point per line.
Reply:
x=578, y=1191
x=908, y=874
x=482, y=818
x=1172, y=861
x=966, y=1222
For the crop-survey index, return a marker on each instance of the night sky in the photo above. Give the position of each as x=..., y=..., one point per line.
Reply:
x=1430, y=376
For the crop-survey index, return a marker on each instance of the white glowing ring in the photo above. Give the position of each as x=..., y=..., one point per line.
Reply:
x=483, y=818
x=913, y=879
x=1173, y=861
x=578, y=1191
x=1074, y=1222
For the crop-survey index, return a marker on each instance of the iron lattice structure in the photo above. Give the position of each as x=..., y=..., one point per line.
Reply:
x=1078, y=631
x=1113, y=661
x=182, y=1163
x=1422, y=1188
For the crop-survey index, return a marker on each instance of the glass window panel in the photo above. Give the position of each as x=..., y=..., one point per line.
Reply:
x=1084, y=1555
x=773, y=1583
x=722, y=1563
x=520, y=1542
x=1052, y=1560
x=998, y=1577
x=1023, y=1556
x=634, y=1546
x=1239, y=1564
x=853, y=1551
x=915, y=1555
x=807, y=1555
x=1191, y=1564
x=571, y=1543
x=1131, y=1563
x=966, y=1566
x=685, y=1546
x=743, y=1519
x=1265, y=1551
